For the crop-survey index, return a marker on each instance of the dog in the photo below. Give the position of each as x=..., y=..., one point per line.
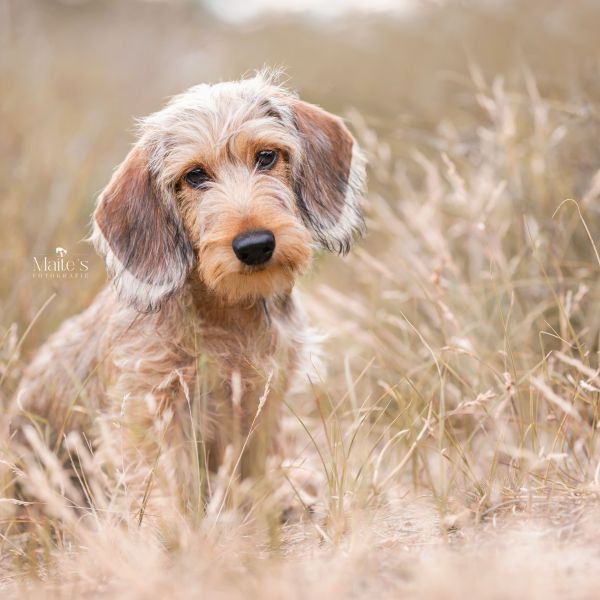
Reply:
x=205, y=228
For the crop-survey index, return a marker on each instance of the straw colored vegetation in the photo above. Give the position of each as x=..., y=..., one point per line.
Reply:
x=456, y=434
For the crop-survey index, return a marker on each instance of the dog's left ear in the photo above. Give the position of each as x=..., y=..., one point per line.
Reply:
x=330, y=181
x=139, y=231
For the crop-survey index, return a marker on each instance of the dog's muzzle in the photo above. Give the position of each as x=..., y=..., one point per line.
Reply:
x=254, y=247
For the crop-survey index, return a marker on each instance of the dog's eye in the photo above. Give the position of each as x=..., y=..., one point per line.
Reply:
x=197, y=177
x=266, y=159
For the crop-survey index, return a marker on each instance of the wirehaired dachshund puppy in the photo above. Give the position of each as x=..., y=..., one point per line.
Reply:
x=205, y=228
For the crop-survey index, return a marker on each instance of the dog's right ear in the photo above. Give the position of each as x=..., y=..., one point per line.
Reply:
x=139, y=232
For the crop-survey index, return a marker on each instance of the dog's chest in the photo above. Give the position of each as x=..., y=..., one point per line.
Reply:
x=212, y=358
x=247, y=357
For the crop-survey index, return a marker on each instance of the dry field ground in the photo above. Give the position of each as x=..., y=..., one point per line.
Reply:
x=457, y=432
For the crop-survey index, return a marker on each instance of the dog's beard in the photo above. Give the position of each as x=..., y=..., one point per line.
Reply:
x=221, y=271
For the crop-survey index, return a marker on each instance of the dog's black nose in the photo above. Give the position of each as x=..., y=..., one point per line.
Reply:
x=254, y=247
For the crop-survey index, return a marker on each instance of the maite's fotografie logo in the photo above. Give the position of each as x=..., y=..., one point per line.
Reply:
x=61, y=265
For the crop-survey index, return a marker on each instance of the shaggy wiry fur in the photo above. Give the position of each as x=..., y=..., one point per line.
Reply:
x=187, y=327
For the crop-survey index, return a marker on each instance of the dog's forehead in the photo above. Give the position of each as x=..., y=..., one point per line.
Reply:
x=198, y=124
x=221, y=97
x=219, y=108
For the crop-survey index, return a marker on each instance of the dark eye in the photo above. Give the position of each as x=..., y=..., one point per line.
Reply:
x=266, y=159
x=197, y=177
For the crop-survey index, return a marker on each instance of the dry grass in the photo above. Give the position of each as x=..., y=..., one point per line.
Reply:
x=457, y=432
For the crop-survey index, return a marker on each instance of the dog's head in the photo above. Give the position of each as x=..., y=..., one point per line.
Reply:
x=234, y=182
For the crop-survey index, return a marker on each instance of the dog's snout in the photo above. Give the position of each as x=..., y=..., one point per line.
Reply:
x=254, y=247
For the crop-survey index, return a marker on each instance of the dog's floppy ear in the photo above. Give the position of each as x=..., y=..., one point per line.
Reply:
x=330, y=180
x=138, y=230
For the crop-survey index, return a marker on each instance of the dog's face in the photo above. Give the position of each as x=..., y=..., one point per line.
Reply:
x=234, y=183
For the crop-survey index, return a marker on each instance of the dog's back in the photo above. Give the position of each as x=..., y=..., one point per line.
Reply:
x=59, y=389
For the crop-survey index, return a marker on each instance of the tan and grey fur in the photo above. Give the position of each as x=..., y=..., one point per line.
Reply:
x=184, y=321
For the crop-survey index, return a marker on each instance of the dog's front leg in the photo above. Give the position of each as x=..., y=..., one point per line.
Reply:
x=149, y=450
x=245, y=428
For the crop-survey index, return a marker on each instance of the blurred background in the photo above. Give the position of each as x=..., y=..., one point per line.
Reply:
x=463, y=331
x=479, y=118
x=74, y=74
